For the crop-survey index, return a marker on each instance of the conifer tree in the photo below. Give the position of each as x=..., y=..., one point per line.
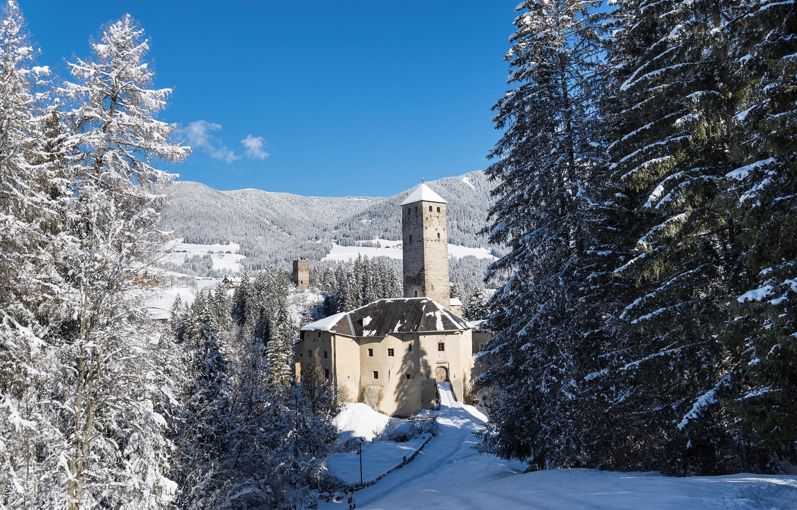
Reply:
x=543, y=162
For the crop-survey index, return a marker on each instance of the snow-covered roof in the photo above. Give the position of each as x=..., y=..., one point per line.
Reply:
x=423, y=193
x=324, y=324
x=400, y=315
x=455, y=301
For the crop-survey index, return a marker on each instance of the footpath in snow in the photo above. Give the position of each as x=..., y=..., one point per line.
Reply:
x=450, y=473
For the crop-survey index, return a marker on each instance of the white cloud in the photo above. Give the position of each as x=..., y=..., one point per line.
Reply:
x=255, y=147
x=201, y=134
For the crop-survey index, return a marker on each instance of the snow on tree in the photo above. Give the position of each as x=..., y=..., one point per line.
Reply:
x=544, y=162
x=115, y=449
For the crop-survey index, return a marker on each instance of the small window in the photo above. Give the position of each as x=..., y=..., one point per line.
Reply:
x=416, y=292
x=376, y=374
x=408, y=376
x=410, y=349
x=301, y=355
x=319, y=334
x=410, y=238
x=371, y=353
x=326, y=355
x=326, y=373
x=438, y=236
x=430, y=208
x=441, y=346
x=310, y=352
x=438, y=209
x=390, y=352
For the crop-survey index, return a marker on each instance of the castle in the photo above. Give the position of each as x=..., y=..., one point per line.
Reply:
x=390, y=353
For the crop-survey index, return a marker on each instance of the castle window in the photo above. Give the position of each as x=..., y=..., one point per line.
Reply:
x=430, y=208
x=438, y=236
x=410, y=349
x=409, y=376
x=441, y=346
x=376, y=374
x=326, y=373
x=438, y=209
x=416, y=292
x=319, y=334
x=390, y=352
x=371, y=353
x=326, y=355
x=410, y=238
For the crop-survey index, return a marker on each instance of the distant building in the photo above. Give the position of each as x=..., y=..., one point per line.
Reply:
x=390, y=353
x=301, y=274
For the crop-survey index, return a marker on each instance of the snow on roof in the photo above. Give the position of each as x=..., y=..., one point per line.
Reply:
x=324, y=324
x=455, y=301
x=400, y=315
x=423, y=193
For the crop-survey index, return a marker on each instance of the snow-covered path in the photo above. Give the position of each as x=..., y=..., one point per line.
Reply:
x=449, y=473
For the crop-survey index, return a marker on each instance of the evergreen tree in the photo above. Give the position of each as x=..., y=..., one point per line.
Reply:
x=544, y=161
x=115, y=432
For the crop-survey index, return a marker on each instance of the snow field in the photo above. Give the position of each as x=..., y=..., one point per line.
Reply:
x=450, y=473
x=393, y=250
x=225, y=256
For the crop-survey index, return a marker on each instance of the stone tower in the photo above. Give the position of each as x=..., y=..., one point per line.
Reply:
x=425, y=240
x=301, y=274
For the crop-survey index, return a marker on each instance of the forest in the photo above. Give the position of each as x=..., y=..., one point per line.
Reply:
x=646, y=184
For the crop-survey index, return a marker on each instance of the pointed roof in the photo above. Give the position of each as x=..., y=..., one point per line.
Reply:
x=423, y=193
x=399, y=315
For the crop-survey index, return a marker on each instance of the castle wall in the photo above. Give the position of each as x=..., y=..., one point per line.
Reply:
x=425, y=251
x=301, y=274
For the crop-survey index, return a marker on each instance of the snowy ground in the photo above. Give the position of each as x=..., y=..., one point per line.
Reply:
x=378, y=458
x=225, y=256
x=449, y=473
x=392, y=249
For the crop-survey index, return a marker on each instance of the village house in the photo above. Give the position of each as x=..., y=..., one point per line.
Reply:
x=390, y=353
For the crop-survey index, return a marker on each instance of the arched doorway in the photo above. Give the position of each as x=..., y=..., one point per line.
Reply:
x=441, y=374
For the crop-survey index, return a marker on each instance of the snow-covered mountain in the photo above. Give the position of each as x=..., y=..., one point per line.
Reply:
x=274, y=228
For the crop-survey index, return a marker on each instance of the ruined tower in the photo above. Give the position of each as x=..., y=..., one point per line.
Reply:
x=425, y=240
x=301, y=274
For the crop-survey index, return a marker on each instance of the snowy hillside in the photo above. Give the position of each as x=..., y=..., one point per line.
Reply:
x=278, y=227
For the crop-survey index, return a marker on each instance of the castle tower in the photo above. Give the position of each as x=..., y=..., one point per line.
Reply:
x=425, y=240
x=301, y=274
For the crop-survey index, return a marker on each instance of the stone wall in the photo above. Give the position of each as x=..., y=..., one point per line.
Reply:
x=425, y=242
x=301, y=274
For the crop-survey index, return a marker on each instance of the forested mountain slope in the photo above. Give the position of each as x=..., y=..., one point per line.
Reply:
x=274, y=228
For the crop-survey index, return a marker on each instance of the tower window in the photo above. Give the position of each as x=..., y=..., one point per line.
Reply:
x=371, y=353
x=430, y=208
x=409, y=376
x=438, y=209
x=441, y=346
x=391, y=352
x=410, y=237
x=326, y=355
x=376, y=374
x=326, y=373
x=410, y=349
x=438, y=236
x=416, y=292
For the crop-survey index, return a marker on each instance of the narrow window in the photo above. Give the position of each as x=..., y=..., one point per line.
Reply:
x=326, y=356
x=409, y=376
x=438, y=209
x=410, y=349
x=301, y=355
x=441, y=346
x=410, y=238
x=438, y=236
x=416, y=292
x=390, y=352
x=319, y=334
x=430, y=208
x=326, y=373
x=371, y=353
x=376, y=374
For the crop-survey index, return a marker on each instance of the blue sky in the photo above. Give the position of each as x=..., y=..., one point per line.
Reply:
x=347, y=97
